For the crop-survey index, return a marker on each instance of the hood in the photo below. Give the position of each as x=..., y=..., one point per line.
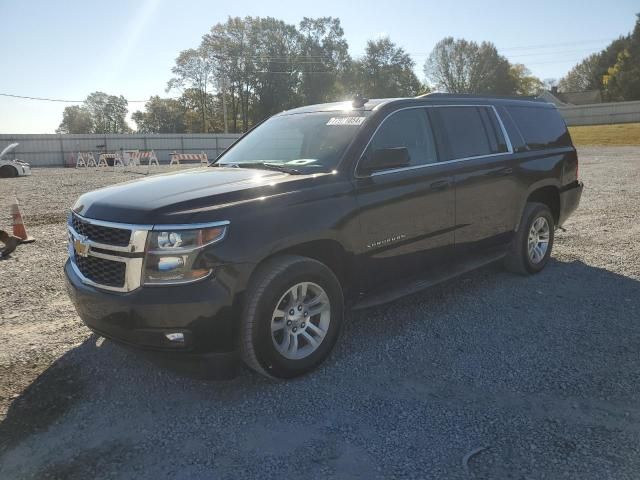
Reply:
x=177, y=197
x=8, y=148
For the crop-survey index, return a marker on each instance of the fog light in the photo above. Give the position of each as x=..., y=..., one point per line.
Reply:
x=175, y=337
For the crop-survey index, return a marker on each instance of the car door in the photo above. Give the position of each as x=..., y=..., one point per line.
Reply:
x=483, y=167
x=406, y=214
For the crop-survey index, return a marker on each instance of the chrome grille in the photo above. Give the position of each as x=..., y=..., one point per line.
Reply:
x=102, y=271
x=100, y=234
x=108, y=255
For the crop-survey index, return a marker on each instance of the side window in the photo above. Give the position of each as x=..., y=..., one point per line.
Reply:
x=494, y=132
x=541, y=127
x=410, y=129
x=470, y=131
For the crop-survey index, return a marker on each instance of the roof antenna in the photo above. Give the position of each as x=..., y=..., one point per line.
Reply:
x=359, y=101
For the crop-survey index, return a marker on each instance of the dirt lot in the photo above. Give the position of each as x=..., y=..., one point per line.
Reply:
x=487, y=376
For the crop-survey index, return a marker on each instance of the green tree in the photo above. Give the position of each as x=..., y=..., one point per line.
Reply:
x=386, y=70
x=525, y=82
x=277, y=73
x=108, y=112
x=324, y=58
x=586, y=75
x=194, y=70
x=191, y=102
x=604, y=71
x=76, y=119
x=161, y=115
x=230, y=50
x=99, y=113
x=624, y=76
x=462, y=66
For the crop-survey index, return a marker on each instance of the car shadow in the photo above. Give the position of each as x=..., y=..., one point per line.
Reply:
x=568, y=331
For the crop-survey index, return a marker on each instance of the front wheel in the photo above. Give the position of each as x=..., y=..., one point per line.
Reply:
x=7, y=171
x=292, y=316
x=532, y=244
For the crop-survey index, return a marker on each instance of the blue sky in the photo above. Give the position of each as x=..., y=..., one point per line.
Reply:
x=68, y=49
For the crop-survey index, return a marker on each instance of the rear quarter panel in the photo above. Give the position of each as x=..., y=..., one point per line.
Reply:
x=538, y=169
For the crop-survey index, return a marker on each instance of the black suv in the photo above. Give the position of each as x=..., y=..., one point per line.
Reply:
x=319, y=208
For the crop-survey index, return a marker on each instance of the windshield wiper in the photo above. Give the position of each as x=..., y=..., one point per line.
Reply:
x=266, y=166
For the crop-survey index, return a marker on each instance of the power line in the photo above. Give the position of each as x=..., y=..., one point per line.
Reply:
x=318, y=58
x=567, y=60
x=62, y=100
x=562, y=52
x=553, y=45
x=533, y=47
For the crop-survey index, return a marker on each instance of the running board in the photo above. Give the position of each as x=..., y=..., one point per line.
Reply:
x=439, y=275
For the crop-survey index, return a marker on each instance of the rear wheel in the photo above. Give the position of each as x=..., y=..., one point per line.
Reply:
x=7, y=171
x=532, y=245
x=292, y=316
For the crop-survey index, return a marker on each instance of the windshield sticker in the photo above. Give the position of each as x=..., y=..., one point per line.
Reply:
x=346, y=121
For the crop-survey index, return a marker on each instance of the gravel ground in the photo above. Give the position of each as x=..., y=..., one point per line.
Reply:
x=487, y=376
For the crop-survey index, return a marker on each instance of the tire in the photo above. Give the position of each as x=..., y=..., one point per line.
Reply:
x=7, y=171
x=270, y=293
x=519, y=259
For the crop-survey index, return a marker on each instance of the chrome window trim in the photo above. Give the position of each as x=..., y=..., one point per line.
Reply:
x=415, y=167
x=504, y=130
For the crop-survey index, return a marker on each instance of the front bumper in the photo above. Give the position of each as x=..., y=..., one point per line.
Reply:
x=569, y=200
x=203, y=312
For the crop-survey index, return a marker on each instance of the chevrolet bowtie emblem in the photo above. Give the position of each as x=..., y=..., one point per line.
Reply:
x=81, y=246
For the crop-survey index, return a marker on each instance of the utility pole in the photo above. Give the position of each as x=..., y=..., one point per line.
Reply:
x=224, y=103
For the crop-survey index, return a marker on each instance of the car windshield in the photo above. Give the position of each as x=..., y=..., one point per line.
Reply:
x=297, y=143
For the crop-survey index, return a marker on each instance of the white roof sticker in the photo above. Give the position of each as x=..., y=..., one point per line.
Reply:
x=346, y=121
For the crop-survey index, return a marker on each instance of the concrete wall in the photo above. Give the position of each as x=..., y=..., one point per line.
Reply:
x=601, y=113
x=55, y=150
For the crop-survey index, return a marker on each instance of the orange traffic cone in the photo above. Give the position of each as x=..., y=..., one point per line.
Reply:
x=19, y=229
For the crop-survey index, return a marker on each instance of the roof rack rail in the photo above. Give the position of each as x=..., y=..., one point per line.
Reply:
x=471, y=95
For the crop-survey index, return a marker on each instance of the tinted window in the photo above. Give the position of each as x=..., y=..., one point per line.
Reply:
x=410, y=129
x=517, y=141
x=494, y=131
x=470, y=131
x=541, y=127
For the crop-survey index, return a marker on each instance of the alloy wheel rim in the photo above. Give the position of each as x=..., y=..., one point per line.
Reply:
x=538, y=242
x=300, y=320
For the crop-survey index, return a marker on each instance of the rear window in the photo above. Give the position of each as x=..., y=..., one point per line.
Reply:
x=540, y=127
x=470, y=131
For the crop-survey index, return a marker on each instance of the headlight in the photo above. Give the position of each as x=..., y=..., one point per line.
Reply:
x=173, y=254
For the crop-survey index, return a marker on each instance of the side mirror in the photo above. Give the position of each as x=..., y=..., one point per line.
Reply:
x=386, y=158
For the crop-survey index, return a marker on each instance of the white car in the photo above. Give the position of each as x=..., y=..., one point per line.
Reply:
x=13, y=168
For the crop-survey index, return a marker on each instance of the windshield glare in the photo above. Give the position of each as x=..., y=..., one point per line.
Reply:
x=314, y=141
